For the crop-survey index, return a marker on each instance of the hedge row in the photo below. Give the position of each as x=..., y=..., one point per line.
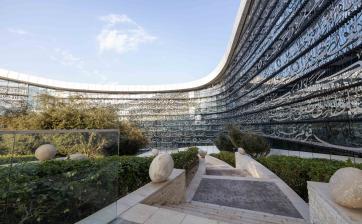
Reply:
x=297, y=171
x=7, y=159
x=226, y=156
x=186, y=159
x=67, y=191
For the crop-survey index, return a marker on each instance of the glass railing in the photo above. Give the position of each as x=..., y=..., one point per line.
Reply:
x=79, y=180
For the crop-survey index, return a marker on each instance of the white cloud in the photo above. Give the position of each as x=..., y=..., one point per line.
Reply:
x=18, y=31
x=113, y=19
x=123, y=41
x=66, y=58
x=125, y=37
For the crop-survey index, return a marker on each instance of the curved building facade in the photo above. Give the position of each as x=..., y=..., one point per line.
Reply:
x=292, y=72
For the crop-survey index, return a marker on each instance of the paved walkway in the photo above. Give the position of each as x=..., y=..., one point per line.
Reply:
x=261, y=196
x=222, y=194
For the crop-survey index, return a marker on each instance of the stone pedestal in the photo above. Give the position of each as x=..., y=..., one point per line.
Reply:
x=324, y=210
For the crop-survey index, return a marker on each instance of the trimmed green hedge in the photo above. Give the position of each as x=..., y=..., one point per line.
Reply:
x=6, y=159
x=226, y=156
x=186, y=159
x=297, y=171
x=67, y=191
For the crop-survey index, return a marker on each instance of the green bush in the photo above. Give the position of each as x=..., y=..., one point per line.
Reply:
x=6, y=159
x=71, y=113
x=56, y=191
x=297, y=171
x=234, y=134
x=228, y=157
x=223, y=143
x=186, y=159
x=89, y=143
x=254, y=145
x=131, y=139
x=67, y=191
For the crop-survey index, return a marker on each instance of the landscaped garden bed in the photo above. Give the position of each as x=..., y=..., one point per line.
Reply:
x=228, y=157
x=297, y=171
x=67, y=191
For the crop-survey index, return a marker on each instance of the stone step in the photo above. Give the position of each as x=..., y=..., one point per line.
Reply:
x=226, y=172
x=210, y=166
x=231, y=215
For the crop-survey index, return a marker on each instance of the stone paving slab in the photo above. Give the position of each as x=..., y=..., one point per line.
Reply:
x=227, y=172
x=165, y=216
x=121, y=221
x=244, y=194
x=139, y=213
x=191, y=219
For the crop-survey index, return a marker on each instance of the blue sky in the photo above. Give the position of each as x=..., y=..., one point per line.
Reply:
x=115, y=41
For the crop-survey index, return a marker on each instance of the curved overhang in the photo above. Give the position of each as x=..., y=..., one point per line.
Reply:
x=206, y=81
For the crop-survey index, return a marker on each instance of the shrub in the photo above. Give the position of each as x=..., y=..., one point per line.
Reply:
x=67, y=191
x=6, y=159
x=223, y=143
x=186, y=159
x=131, y=139
x=235, y=135
x=71, y=113
x=297, y=171
x=89, y=143
x=23, y=144
x=228, y=157
x=254, y=145
x=56, y=191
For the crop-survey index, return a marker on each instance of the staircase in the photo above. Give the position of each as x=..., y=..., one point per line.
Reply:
x=213, y=168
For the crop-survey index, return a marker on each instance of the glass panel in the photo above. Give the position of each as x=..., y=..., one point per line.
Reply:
x=65, y=189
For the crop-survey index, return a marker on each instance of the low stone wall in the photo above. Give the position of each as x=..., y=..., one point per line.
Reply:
x=214, y=162
x=171, y=191
x=255, y=169
x=174, y=192
x=324, y=210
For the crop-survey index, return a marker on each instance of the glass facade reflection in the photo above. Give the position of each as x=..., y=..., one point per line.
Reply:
x=294, y=73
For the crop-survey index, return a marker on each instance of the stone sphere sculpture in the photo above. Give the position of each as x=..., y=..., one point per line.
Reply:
x=202, y=153
x=241, y=151
x=78, y=156
x=346, y=187
x=154, y=152
x=45, y=152
x=161, y=168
